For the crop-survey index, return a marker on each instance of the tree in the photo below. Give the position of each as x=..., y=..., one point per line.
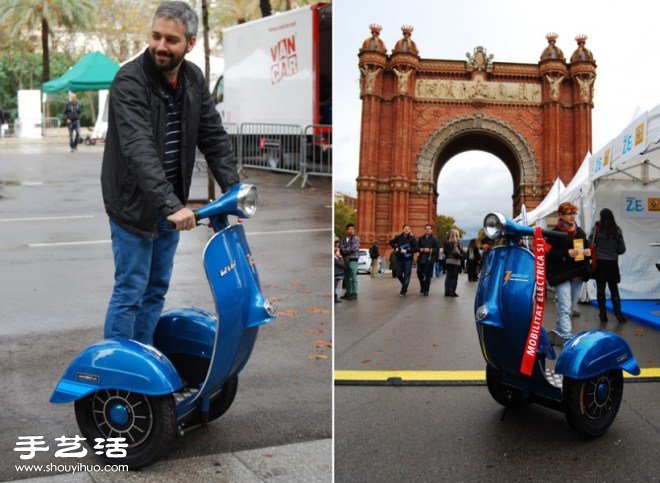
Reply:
x=443, y=224
x=72, y=14
x=344, y=215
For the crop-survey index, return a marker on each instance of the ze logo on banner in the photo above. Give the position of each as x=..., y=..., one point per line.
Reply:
x=602, y=161
x=634, y=204
x=71, y=447
x=285, y=59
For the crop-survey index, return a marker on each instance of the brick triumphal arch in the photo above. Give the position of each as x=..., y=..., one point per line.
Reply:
x=419, y=113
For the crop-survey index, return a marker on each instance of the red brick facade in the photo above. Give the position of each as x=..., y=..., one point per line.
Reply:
x=418, y=113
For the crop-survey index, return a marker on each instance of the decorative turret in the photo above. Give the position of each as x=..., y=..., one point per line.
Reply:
x=552, y=52
x=406, y=45
x=582, y=54
x=374, y=43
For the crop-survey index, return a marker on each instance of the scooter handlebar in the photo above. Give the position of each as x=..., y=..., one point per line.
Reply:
x=171, y=225
x=552, y=234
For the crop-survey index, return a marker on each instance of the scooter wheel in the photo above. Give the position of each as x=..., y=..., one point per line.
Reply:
x=148, y=423
x=592, y=404
x=223, y=402
x=504, y=395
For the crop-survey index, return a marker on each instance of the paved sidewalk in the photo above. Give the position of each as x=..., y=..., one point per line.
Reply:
x=308, y=462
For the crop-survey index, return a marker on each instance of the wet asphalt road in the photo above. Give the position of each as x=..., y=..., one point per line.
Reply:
x=455, y=433
x=54, y=300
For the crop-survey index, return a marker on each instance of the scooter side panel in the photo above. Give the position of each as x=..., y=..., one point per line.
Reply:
x=117, y=364
x=240, y=305
x=593, y=352
x=186, y=330
x=506, y=289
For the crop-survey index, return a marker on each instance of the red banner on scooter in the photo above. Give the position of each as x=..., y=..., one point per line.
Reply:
x=534, y=336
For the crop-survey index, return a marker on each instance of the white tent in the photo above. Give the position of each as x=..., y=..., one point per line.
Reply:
x=547, y=206
x=625, y=177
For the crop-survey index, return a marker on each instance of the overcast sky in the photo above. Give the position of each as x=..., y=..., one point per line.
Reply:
x=623, y=37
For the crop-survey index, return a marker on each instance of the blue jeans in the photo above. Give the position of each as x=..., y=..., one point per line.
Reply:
x=438, y=268
x=351, y=277
x=143, y=268
x=567, y=296
x=403, y=268
x=74, y=125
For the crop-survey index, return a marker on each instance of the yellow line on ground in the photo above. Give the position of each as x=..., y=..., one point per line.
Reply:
x=444, y=375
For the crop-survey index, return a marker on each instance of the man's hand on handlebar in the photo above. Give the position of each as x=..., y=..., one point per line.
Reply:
x=184, y=219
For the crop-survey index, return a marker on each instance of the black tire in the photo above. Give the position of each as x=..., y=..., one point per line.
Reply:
x=149, y=431
x=503, y=394
x=590, y=405
x=221, y=404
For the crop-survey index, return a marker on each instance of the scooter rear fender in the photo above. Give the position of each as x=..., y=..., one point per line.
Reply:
x=593, y=352
x=117, y=364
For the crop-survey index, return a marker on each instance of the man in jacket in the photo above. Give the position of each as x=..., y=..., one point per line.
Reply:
x=374, y=254
x=350, y=250
x=160, y=110
x=72, y=112
x=405, y=245
x=428, y=253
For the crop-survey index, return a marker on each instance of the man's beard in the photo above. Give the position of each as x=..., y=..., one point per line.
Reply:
x=166, y=65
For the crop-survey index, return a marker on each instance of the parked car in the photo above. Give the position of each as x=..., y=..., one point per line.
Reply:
x=364, y=262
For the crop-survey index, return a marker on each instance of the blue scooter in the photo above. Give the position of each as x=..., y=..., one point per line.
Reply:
x=148, y=395
x=587, y=381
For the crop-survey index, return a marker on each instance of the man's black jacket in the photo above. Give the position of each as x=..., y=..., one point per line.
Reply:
x=136, y=192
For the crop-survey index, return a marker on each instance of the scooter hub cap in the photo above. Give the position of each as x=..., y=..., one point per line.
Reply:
x=602, y=391
x=118, y=414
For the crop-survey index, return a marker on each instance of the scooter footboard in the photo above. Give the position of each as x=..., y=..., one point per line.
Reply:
x=117, y=364
x=594, y=352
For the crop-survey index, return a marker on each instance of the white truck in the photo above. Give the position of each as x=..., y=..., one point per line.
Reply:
x=278, y=74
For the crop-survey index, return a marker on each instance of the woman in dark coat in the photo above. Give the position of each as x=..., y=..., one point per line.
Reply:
x=473, y=261
x=453, y=250
x=565, y=273
x=607, y=239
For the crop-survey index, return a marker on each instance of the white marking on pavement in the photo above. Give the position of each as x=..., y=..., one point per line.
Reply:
x=48, y=218
x=284, y=232
x=61, y=244
x=253, y=233
x=32, y=183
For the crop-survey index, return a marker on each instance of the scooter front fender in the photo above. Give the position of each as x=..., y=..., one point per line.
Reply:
x=594, y=352
x=117, y=364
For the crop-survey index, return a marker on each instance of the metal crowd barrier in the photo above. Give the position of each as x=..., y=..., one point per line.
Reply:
x=50, y=122
x=316, y=159
x=275, y=147
x=286, y=148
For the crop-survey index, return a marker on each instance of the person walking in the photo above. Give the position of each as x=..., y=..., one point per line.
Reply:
x=567, y=269
x=393, y=260
x=428, y=246
x=350, y=250
x=473, y=261
x=147, y=167
x=72, y=111
x=374, y=255
x=607, y=241
x=453, y=250
x=405, y=245
x=339, y=269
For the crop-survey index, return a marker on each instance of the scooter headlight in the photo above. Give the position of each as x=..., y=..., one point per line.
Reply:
x=247, y=200
x=494, y=225
x=482, y=312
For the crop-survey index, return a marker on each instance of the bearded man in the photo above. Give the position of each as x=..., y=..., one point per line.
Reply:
x=160, y=111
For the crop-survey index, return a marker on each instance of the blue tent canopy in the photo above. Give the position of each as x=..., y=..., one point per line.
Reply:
x=94, y=71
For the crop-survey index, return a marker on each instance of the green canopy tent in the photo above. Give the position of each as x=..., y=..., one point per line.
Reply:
x=92, y=72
